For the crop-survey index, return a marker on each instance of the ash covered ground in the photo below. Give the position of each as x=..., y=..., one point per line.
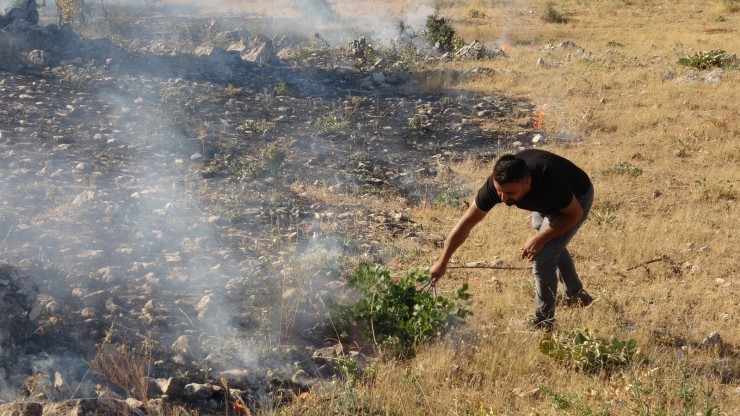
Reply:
x=193, y=184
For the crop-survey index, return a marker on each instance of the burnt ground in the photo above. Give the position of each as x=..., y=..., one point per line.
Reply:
x=156, y=197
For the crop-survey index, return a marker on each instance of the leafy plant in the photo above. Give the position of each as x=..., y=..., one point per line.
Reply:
x=231, y=90
x=416, y=122
x=255, y=126
x=280, y=89
x=329, y=124
x=174, y=101
x=451, y=195
x=270, y=162
x=82, y=75
x=624, y=168
x=346, y=367
x=399, y=315
x=704, y=60
x=442, y=35
x=588, y=352
x=553, y=16
x=603, y=218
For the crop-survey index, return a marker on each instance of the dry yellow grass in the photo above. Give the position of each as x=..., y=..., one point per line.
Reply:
x=610, y=102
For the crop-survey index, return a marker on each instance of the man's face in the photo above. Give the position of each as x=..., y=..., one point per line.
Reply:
x=511, y=193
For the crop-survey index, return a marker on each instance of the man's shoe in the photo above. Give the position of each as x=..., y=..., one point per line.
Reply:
x=541, y=324
x=580, y=300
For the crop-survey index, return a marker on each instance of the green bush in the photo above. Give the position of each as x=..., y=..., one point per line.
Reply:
x=704, y=60
x=441, y=34
x=623, y=168
x=452, y=195
x=255, y=126
x=553, y=16
x=588, y=352
x=270, y=162
x=396, y=313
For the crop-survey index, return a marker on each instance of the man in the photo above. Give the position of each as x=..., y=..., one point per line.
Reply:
x=560, y=195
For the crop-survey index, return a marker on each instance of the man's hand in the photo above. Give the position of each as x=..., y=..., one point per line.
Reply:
x=532, y=247
x=437, y=270
x=566, y=218
x=454, y=239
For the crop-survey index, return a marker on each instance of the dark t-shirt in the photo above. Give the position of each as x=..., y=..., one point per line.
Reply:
x=555, y=180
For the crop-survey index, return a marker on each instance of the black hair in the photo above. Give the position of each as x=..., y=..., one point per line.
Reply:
x=510, y=169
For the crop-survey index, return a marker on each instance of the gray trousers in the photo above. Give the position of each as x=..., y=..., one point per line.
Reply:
x=554, y=262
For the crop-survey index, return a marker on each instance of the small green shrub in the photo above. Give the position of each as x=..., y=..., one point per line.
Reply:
x=603, y=218
x=452, y=195
x=329, y=124
x=415, y=122
x=623, y=168
x=588, y=352
x=79, y=76
x=345, y=366
x=174, y=103
x=553, y=16
x=704, y=60
x=270, y=162
x=255, y=126
x=280, y=89
x=395, y=313
x=440, y=34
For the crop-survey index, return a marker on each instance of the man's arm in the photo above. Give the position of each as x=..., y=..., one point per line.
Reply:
x=566, y=218
x=455, y=239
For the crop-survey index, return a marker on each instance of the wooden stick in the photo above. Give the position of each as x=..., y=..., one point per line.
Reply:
x=645, y=263
x=489, y=267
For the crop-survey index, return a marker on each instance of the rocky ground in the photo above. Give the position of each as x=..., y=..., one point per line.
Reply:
x=188, y=213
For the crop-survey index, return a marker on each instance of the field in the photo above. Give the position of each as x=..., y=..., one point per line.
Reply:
x=663, y=152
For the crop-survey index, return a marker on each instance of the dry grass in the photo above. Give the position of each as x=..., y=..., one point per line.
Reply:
x=610, y=103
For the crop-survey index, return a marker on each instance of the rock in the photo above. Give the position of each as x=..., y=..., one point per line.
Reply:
x=196, y=391
x=301, y=377
x=475, y=50
x=329, y=352
x=237, y=377
x=204, y=50
x=712, y=340
x=182, y=344
x=263, y=54
x=204, y=306
x=172, y=387
x=378, y=78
